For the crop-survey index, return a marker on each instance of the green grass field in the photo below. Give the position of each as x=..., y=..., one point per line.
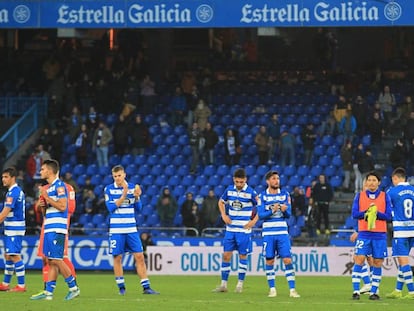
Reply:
x=99, y=292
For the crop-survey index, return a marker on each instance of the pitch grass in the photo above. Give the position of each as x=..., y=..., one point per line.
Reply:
x=99, y=292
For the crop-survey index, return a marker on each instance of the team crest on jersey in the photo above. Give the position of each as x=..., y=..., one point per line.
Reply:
x=9, y=200
x=237, y=205
x=60, y=190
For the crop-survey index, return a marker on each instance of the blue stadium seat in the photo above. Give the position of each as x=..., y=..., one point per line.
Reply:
x=127, y=159
x=183, y=169
x=153, y=160
x=171, y=140
x=250, y=170
x=300, y=221
x=333, y=150
x=336, y=181
x=366, y=140
x=209, y=170
x=248, y=140
x=153, y=220
x=178, y=220
x=219, y=189
x=107, y=180
x=180, y=130
x=134, y=179
x=162, y=150
x=316, y=170
x=330, y=170
x=79, y=169
x=201, y=180
x=140, y=159
x=254, y=180
x=96, y=180
x=98, y=219
x=84, y=219
x=214, y=180
x=319, y=150
x=144, y=170
x=302, y=170
x=244, y=130
x=98, y=190
x=161, y=180
x=65, y=168
x=178, y=191
x=307, y=180
x=289, y=170
x=91, y=169
x=204, y=190
x=152, y=190
x=157, y=140
x=262, y=170
x=157, y=169
x=166, y=130
x=81, y=180
x=154, y=130
x=131, y=169
x=324, y=160
x=183, y=140
x=337, y=161
x=148, y=180
x=327, y=140
x=166, y=160
x=114, y=160
x=294, y=181
x=227, y=180
x=188, y=180
x=179, y=160
x=223, y=170
x=139, y=219
x=170, y=170
x=295, y=231
x=88, y=228
x=104, y=170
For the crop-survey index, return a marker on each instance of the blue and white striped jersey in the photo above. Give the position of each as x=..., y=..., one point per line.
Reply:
x=122, y=218
x=240, y=207
x=15, y=223
x=274, y=223
x=55, y=220
x=402, y=199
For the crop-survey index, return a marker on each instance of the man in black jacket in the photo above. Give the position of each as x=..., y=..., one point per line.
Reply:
x=322, y=195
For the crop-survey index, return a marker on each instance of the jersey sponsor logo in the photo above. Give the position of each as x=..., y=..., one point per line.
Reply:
x=9, y=200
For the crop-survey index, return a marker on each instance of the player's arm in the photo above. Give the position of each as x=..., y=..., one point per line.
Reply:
x=286, y=207
x=109, y=201
x=222, y=208
x=356, y=214
x=137, y=195
x=60, y=204
x=6, y=210
x=122, y=198
x=388, y=210
x=261, y=210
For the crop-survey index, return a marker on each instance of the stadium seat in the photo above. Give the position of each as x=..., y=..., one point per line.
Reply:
x=330, y=170
x=204, y=190
x=180, y=130
x=307, y=180
x=148, y=180
x=144, y=170
x=107, y=180
x=336, y=181
x=319, y=150
x=250, y=170
x=333, y=150
x=228, y=180
x=188, y=180
x=254, y=180
x=262, y=170
x=174, y=180
x=300, y=221
x=316, y=170
x=153, y=220
x=65, y=168
x=127, y=159
x=84, y=219
x=183, y=169
x=223, y=170
x=161, y=180
x=170, y=170
x=219, y=189
x=294, y=180
x=178, y=191
x=302, y=170
x=114, y=160
x=214, y=180
x=183, y=140
x=104, y=170
x=178, y=220
x=327, y=140
x=99, y=191
x=96, y=180
x=179, y=160
x=153, y=160
x=88, y=228
x=201, y=180
x=157, y=169
x=131, y=169
x=139, y=219
x=324, y=160
x=98, y=219
x=166, y=160
x=79, y=169
x=289, y=170
x=337, y=161
x=209, y=170
x=81, y=180
x=140, y=159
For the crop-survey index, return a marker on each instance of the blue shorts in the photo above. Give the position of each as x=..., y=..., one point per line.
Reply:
x=238, y=241
x=120, y=243
x=54, y=245
x=402, y=246
x=13, y=244
x=276, y=246
x=369, y=247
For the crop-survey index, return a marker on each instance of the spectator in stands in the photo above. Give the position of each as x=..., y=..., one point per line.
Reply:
x=92, y=120
x=83, y=144
x=340, y=109
x=201, y=114
x=409, y=129
x=366, y=163
x=357, y=158
x=3, y=154
x=398, y=155
x=287, y=148
x=360, y=111
x=232, y=147
x=310, y=220
x=404, y=110
x=196, y=142
x=376, y=128
x=166, y=208
x=410, y=156
x=211, y=140
x=100, y=143
x=89, y=202
x=299, y=207
x=347, y=161
x=386, y=99
x=120, y=136
x=146, y=241
x=56, y=144
x=139, y=135
x=189, y=212
x=322, y=196
x=45, y=139
x=33, y=165
x=262, y=142
x=209, y=214
x=328, y=126
x=74, y=122
x=192, y=101
x=348, y=126
x=273, y=128
x=308, y=141
x=43, y=153
x=178, y=108
x=68, y=179
x=148, y=99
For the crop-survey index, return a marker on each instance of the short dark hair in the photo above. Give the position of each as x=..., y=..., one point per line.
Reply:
x=399, y=172
x=239, y=173
x=11, y=171
x=117, y=168
x=374, y=173
x=53, y=165
x=270, y=174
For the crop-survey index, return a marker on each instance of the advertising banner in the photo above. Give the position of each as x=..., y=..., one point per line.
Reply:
x=198, y=256
x=203, y=13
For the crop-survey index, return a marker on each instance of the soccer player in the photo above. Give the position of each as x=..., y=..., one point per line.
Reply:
x=237, y=207
x=71, y=209
x=366, y=269
x=402, y=199
x=122, y=199
x=55, y=224
x=275, y=207
x=14, y=229
x=372, y=208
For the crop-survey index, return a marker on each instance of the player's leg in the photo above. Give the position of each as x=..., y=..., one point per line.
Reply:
x=379, y=252
x=284, y=251
x=366, y=278
x=244, y=247
x=117, y=249
x=20, y=274
x=400, y=249
x=363, y=248
x=268, y=252
x=8, y=273
x=134, y=245
x=229, y=245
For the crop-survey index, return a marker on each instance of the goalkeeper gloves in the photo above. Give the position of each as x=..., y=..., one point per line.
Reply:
x=371, y=216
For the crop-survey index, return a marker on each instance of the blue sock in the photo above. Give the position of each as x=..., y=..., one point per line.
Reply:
x=70, y=280
x=50, y=286
x=225, y=271
x=120, y=282
x=20, y=272
x=145, y=283
x=270, y=275
x=242, y=269
x=290, y=275
x=8, y=271
x=365, y=275
x=407, y=274
x=376, y=279
x=356, y=277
